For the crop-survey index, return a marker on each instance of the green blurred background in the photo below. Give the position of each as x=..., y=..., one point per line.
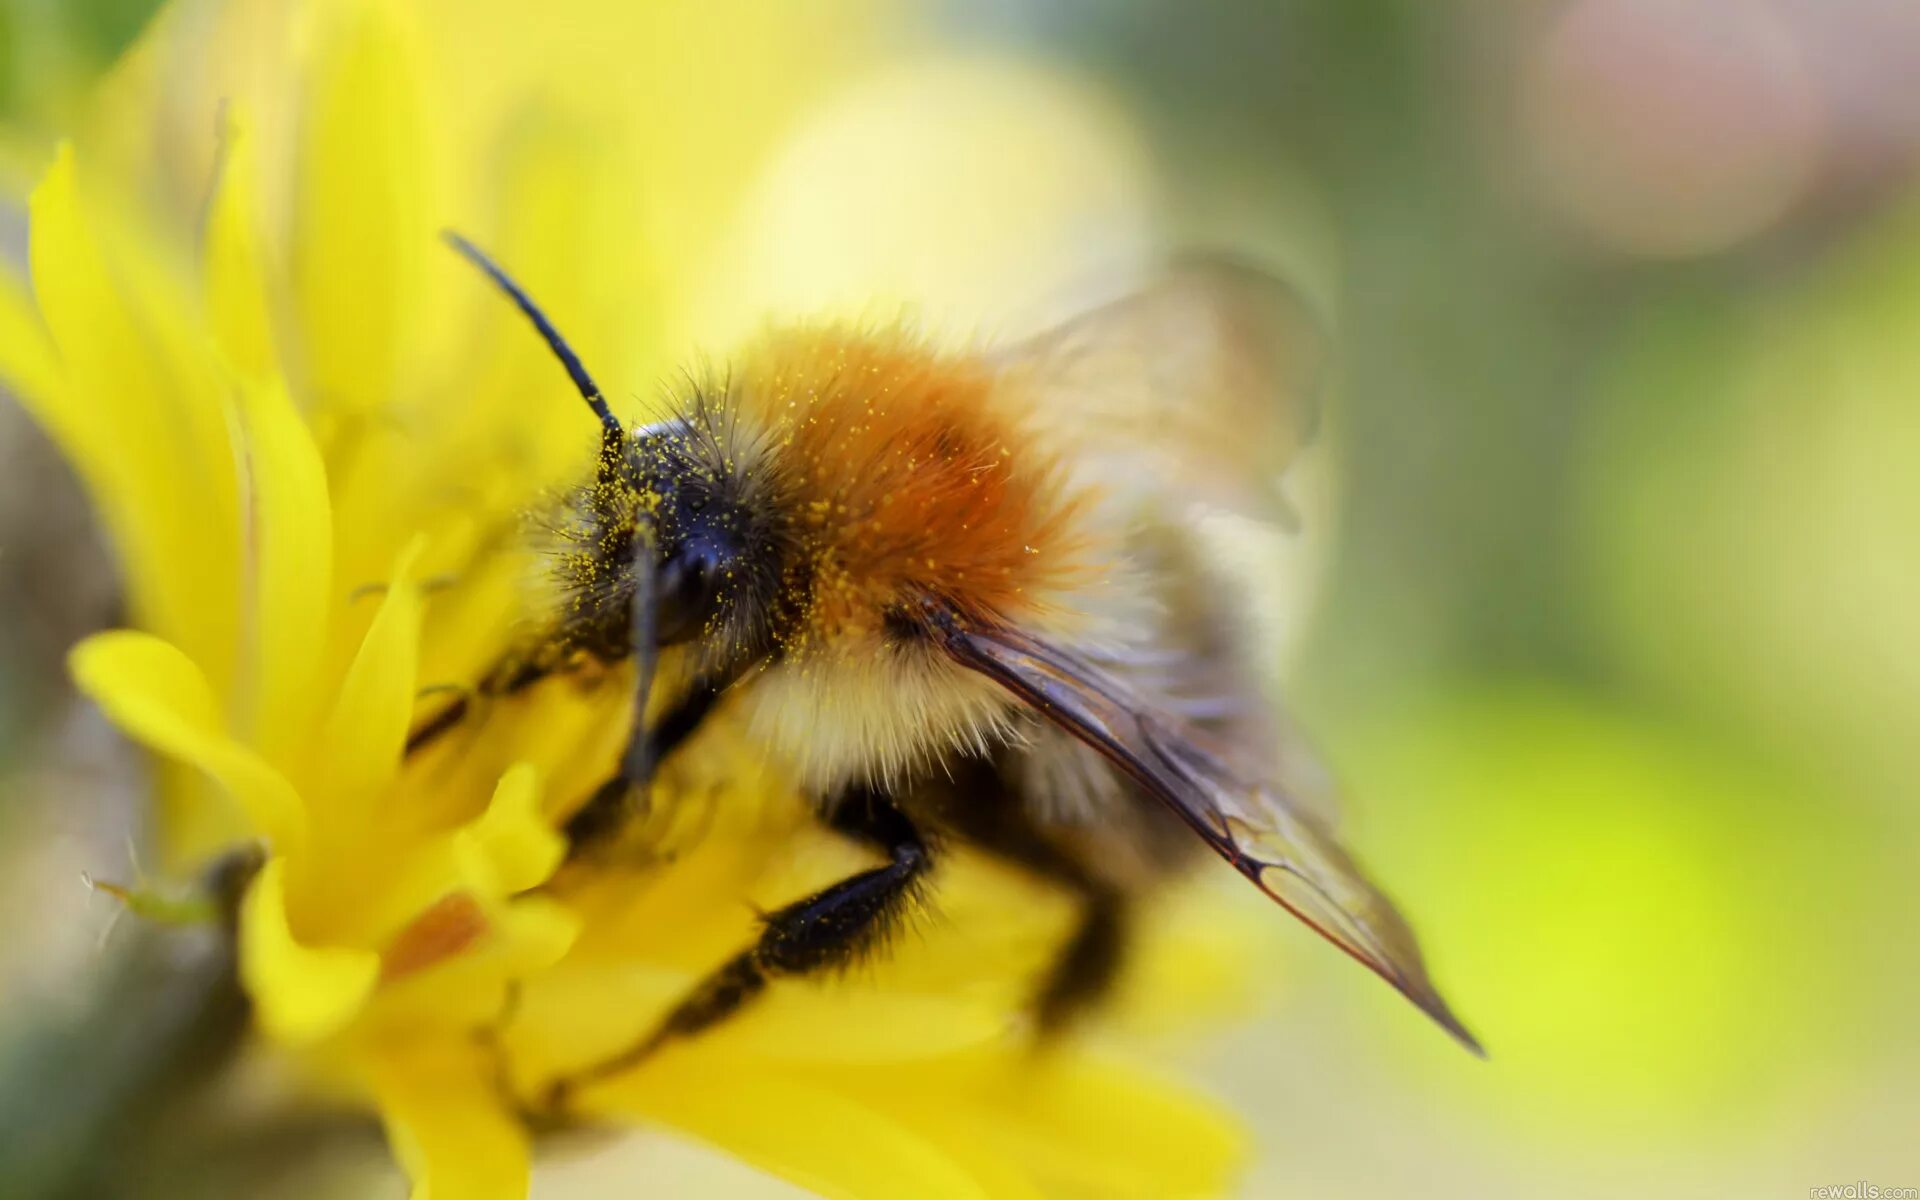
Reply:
x=1617, y=640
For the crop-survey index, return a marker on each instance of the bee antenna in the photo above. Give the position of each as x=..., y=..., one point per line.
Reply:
x=612, y=437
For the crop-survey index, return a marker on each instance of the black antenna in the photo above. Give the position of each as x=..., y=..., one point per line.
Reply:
x=612, y=437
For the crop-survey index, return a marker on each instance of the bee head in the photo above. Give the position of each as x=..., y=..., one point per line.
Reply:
x=674, y=541
x=716, y=533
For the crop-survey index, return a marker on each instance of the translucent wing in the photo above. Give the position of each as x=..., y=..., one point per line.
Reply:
x=1205, y=383
x=1278, y=845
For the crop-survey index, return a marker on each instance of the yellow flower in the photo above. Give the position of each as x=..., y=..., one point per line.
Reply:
x=312, y=442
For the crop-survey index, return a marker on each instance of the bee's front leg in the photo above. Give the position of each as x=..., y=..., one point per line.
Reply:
x=624, y=795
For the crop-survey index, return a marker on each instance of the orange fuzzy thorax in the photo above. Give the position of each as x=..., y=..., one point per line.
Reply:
x=907, y=475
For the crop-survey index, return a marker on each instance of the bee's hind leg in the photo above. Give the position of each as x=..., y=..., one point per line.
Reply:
x=1088, y=964
x=829, y=929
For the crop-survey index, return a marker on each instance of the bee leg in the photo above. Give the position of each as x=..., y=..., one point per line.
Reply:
x=828, y=929
x=508, y=677
x=1088, y=964
x=614, y=802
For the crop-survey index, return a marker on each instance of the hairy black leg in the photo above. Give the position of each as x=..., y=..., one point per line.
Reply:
x=613, y=803
x=430, y=730
x=1087, y=965
x=504, y=680
x=828, y=929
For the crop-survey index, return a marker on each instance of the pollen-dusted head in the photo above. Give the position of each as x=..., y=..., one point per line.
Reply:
x=717, y=545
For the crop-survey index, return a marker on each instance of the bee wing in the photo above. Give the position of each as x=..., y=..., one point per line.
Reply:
x=1255, y=825
x=1205, y=382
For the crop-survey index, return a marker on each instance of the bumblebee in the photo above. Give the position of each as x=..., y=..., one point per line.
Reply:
x=957, y=596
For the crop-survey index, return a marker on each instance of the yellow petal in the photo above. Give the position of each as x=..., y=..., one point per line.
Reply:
x=234, y=270
x=151, y=437
x=1117, y=1131
x=363, y=845
x=573, y=1016
x=399, y=875
x=835, y=1021
x=669, y=917
x=469, y=990
x=360, y=224
x=401, y=871
x=533, y=933
x=512, y=847
x=157, y=695
x=447, y=1125
x=290, y=544
x=801, y=1131
x=1086, y=1126
x=367, y=731
x=300, y=993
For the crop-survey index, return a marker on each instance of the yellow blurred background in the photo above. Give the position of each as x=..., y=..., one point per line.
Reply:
x=1608, y=612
